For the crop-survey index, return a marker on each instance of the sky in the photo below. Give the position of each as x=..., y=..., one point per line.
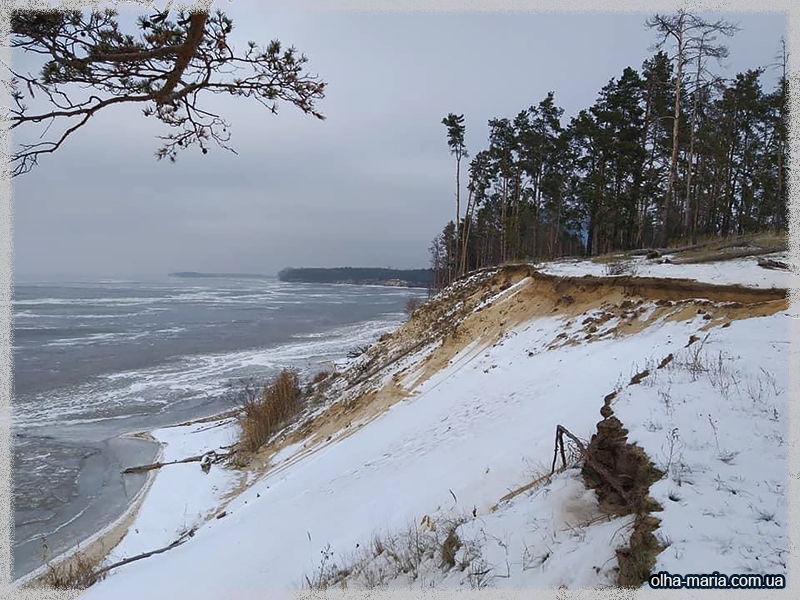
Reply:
x=369, y=186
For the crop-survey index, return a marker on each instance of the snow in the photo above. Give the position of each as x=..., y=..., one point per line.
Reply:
x=468, y=434
x=722, y=437
x=182, y=495
x=548, y=538
x=743, y=271
x=286, y=453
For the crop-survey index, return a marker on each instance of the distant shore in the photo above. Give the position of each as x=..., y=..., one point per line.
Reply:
x=410, y=278
x=415, y=278
x=201, y=275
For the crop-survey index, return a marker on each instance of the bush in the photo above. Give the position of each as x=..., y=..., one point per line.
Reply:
x=76, y=572
x=357, y=351
x=412, y=304
x=620, y=268
x=321, y=376
x=268, y=410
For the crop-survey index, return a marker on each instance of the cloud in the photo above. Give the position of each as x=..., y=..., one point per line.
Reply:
x=370, y=185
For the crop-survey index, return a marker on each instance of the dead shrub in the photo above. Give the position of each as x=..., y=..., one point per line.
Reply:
x=319, y=382
x=450, y=546
x=410, y=549
x=405, y=554
x=357, y=351
x=76, y=572
x=412, y=304
x=267, y=411
x=321, y=376
x=616, y=268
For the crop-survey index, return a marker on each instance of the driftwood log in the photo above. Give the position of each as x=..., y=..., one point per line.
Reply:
x=208, y=458
x=769, y=263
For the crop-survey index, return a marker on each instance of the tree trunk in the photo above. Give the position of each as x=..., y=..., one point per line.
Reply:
x=782, y=204
x=676, y=122
x=690, y=209
x=467, y=227
x=503, y=230
x=458, y=210
x=517, y=193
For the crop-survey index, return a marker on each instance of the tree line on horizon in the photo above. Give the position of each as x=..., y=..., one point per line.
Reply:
x=410, y=277
x=670, y=152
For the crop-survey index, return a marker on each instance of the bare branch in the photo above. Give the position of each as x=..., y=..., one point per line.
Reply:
x=90, y=64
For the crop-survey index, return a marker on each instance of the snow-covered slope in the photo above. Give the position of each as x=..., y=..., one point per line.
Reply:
x=429, y=432
x=740, y=271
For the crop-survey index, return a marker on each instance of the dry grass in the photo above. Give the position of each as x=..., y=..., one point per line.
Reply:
x=266, y=412
x=407, y=554
x=321, y=376
x=77, y=572
x=707, y=247
x=450, y=546
x=766, y=237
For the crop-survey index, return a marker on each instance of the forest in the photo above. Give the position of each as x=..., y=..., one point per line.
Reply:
x=668, y=154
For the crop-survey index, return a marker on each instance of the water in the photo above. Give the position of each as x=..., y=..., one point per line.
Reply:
x=95, y=360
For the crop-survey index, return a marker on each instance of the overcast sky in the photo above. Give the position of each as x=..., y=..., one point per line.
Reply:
x=369, y=186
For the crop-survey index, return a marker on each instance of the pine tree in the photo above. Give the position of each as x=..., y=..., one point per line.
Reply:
x=455, y=140
x=610, y=179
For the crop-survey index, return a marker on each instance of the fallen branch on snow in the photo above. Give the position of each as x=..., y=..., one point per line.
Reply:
x=210, y=458
x=127, y=561
x=769, y=263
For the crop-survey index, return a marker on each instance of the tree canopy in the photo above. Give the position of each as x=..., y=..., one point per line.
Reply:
x=663, y=155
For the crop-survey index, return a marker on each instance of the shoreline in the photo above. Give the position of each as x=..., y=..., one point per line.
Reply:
x=97, y=546
x=100, y=544
x=95, y=517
